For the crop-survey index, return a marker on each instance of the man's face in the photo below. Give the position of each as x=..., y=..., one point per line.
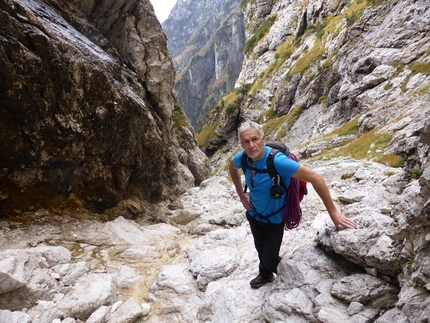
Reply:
x=252, y=143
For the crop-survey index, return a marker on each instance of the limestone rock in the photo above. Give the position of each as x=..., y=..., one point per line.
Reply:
x=14, y=317
x=127, y=312
x=365, y=288
x=90, y=292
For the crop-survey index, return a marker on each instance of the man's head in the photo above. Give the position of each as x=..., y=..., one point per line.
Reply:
x=251, y=137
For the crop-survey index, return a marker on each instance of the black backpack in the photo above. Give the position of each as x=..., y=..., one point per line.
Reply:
x=296, y=191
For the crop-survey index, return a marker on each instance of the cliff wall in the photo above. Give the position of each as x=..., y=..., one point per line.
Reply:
x=205, y=39
x=88, y=113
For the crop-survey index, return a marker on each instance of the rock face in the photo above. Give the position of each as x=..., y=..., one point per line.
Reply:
x=311, y=67
x=87, y=106
x=205, y=39
x=357, y=112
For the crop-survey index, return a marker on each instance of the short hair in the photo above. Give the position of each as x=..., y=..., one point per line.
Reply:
x=250, y=125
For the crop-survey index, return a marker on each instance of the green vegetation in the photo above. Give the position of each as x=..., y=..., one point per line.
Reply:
x=284, y=51
x=414, y=173
x=232, y=101
x=398, y=65
x=365, y=147
x=388, y=86
x=318, y=29
x=323, y=99
x=165, y=52
x=244, y=89
x=423, y=90
x=281, y=125
x=231, y=107
x=288, y=77
x=180, y=121
x=243, y=3
x=410, y=264
x=352, y=18
x=179, y=117
x=354, y=12
x=375, y=3
x=333, y=25
x=391, y=160
x=349, y=128
x=268, y=115
x=227, y=106
x=420, y=68
x=369, y=146
x=330, y=26
x=347, y=176
x=259, y=34
x=309, y=58
x=206, y=133
x=77, y=249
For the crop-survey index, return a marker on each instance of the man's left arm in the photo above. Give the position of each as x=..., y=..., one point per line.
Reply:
x=319, y=184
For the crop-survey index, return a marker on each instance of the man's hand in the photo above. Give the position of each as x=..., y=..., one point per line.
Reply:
x=244, y=198
x=340, y=219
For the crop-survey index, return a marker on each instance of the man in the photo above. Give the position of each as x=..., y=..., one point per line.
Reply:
x=265, y=213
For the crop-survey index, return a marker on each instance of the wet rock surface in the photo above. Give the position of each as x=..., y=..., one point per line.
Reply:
x=88, y=109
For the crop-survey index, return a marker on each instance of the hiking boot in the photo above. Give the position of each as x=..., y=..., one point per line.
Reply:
x=259, y=281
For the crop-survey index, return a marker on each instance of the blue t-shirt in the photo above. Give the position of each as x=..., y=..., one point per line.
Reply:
x=259, y=186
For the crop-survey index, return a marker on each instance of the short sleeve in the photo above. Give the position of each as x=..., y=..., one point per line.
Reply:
x=237, y=159
x=286, y=167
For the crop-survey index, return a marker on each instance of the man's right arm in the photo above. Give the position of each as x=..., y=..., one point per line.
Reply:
x=237, y=181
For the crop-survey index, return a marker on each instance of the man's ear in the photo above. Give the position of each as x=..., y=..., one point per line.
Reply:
x=263, y=138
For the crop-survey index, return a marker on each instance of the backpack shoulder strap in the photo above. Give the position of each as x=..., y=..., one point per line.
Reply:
x=244, y=165
x=270, y=164
x=271, y=167
x=244, y=162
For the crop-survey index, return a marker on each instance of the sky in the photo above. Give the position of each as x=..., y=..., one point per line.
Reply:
x=162, y=8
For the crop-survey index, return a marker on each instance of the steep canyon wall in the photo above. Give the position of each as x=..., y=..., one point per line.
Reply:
x=88, y=112
x=205, y=39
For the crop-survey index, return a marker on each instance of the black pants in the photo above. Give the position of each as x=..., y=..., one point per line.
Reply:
x=267, y=241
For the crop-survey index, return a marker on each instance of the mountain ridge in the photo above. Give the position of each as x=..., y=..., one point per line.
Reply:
x=206, y=43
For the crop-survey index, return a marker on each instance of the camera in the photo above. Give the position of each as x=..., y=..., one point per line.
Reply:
x=276, y=191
